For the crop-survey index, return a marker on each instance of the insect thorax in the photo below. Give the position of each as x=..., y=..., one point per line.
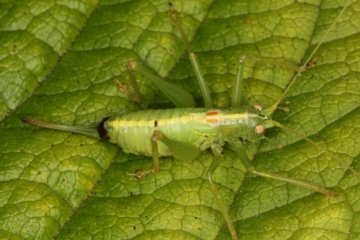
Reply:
x=246, y=123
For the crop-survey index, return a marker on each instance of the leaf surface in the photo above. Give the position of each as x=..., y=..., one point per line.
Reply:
x=64, y=62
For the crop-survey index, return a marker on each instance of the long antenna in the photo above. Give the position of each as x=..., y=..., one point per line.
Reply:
x=271, y=109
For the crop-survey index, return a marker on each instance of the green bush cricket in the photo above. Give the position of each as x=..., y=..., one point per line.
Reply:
x=160, y=133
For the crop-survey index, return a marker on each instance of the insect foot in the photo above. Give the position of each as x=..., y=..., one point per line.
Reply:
x=140, y=174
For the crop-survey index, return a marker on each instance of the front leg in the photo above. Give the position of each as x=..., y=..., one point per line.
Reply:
x=237, y=146
x=218, y=153
x=180, y=150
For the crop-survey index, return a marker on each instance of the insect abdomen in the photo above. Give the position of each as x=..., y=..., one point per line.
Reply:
x=132, y=132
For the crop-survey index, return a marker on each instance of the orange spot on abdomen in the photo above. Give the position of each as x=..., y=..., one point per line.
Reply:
x=212, y=117
x=212, y=113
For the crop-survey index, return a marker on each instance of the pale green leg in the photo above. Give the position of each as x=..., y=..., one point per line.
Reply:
x=179, y=96
x=137, y=94
x=241, y=152
x=180, y=150
x=194, y=62
x=238, y=81
x=217, y=150
x=237, y=88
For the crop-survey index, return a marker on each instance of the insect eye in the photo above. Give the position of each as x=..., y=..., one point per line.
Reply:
x=259, y=129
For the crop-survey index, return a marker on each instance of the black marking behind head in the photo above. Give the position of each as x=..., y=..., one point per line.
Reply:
x=102, y=131
x=155, y=123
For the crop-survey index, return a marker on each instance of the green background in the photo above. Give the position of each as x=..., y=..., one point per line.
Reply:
x=60, y=61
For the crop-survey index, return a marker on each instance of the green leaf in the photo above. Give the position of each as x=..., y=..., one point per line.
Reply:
x=60, y=61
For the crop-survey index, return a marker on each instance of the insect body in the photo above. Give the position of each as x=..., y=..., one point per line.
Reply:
x=186, y=131
x=197, y=126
